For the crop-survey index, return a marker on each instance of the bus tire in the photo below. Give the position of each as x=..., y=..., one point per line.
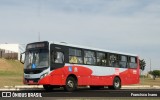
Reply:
x=71, y=84
x=116, y=84
x=48, y=87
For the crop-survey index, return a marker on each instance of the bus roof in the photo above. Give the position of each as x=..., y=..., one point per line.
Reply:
x=90, y=48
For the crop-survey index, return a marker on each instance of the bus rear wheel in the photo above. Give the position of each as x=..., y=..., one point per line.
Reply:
x=71, y=84
x=48, y=87
x=116, y=84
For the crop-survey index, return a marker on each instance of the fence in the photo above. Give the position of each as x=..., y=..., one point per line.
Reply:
x=8, y=54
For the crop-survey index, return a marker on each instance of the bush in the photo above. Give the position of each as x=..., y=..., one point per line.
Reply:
x=155, y=73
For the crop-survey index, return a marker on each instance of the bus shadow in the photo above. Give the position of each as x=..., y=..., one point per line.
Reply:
x=60, y=90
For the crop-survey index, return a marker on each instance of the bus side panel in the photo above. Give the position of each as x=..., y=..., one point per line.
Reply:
x=83, y=74
x=51, y=80
x=85, y=77
x=130, y=76
x=102, y=80
x=59, y=76
x=126, y=77
x=134, y=73
x=56, y=77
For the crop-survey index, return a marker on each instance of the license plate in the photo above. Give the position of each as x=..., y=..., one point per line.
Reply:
x=31, y=81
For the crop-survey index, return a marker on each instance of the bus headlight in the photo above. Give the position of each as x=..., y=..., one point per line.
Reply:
x=43, y=75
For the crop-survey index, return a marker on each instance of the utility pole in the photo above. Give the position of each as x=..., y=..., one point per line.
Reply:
x=39, y=36
x=39, y=15
x=150, y=64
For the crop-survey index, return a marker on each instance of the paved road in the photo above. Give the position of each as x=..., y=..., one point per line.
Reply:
x=85, y=92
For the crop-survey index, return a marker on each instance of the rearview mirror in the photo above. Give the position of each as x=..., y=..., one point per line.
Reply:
x=22, y=58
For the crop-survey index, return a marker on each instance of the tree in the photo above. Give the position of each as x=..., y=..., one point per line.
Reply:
x=142, y=64
x=155, y=73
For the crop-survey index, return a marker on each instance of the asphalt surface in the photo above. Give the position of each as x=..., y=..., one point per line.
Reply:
x=86, y=92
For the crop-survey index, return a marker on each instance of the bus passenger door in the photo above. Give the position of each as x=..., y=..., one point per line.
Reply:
x=57, y=56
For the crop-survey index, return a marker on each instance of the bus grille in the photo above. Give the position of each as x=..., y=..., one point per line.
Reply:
x=32, y=71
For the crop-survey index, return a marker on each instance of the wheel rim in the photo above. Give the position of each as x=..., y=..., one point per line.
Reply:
x=117, y=84
x=70, y=84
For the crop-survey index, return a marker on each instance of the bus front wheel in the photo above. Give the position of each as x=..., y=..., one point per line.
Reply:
x=71, y=84
x=116, y=84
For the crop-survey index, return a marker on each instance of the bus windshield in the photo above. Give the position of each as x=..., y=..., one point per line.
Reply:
x=36, y=59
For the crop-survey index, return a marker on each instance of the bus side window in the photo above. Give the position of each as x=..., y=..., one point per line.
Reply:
x=57, y=57
x=132, y=62
x=73, y=59
x=113, y=60
x=89, y=57
x=123, y=62
x=75, y=56
x=101, y=59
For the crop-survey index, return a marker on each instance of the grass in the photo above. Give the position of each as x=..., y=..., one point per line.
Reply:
x=149, y=81
x=10, y=81
x=11, y=73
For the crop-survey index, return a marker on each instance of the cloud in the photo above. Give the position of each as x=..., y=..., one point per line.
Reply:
x=123, y=25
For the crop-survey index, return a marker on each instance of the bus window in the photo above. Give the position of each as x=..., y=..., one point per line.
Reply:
x=113, y=60
x=75, y=56
x=101, y=59
x=123, y=62
x=57, y=57
x=89, y=57
x=132, y=62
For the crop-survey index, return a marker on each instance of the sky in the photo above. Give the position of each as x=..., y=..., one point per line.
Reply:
x=131, y=26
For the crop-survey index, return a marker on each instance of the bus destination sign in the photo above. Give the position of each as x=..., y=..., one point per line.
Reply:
x=36, y=45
